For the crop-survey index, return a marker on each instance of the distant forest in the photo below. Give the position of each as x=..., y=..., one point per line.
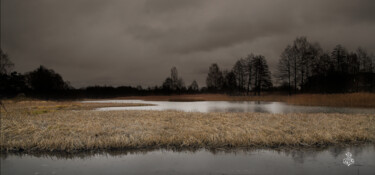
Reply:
x=303, y=67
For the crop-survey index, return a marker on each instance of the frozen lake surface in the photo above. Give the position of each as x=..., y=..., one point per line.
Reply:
x=231, y=106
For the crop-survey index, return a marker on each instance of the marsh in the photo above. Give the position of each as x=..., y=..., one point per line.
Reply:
x=74, y=126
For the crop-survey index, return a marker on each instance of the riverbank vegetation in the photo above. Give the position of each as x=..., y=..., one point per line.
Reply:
x=72, y=128
x=30, y=107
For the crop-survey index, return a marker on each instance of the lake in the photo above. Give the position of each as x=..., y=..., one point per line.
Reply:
x=231, y=106
x=257, y=161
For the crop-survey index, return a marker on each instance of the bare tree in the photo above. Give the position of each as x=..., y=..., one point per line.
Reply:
x=5, y=64
x=214, y=79
x=181, y=85
x=239, y=71
x=294, y=66
x=248, y=72
x=167, y=84
x=261, y=74
x=289, y=66
x=285, y=67
x=229, y=82
x=323, y=65
x=306, y=53
x=176, y=82
x=194, y=86
x=314, y=52
x=365, y=60
x=353, y=63
x=297, y=61
x=339, y=54
x=174, y=78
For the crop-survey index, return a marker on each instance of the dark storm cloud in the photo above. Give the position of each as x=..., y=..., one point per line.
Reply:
x=137, y=42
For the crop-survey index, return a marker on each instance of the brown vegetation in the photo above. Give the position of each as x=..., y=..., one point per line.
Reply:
x=340, y=100
x=37, y=106
x=74, y=128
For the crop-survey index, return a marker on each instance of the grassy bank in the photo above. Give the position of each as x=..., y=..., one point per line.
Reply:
x=38, y=106
x=77, y=129
x=366, y=100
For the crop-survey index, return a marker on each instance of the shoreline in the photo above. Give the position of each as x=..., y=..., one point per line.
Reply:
x=351, y=100
x=121, y=151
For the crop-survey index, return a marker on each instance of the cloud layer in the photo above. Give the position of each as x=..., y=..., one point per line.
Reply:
x=136, y=42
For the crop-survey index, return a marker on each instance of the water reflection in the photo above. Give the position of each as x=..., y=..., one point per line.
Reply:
x=162, y=161
x=229, y=106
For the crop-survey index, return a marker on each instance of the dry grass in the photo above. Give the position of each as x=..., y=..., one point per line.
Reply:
x=38, y=107
x=366, y=100
x=77, y=129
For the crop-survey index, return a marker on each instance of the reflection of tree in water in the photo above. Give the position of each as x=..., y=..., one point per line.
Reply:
x=259, y=109
x=341, y=150
x=357, y=150
x=300, y=155
x=119, y=153
x=336, y=151
x=89, y=154
x=74, y=155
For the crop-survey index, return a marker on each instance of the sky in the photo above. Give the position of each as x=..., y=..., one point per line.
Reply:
x=137, y=42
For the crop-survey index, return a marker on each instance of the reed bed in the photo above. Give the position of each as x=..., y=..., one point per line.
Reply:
x=366, y=100
x=79, y=129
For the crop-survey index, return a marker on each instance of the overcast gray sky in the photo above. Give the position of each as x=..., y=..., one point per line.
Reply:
x=119, y=42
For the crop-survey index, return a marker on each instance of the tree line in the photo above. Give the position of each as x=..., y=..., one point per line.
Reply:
x=304, y=67
x=250, y=74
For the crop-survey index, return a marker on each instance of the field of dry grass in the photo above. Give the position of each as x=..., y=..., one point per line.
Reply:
x=40, y=107
x=64, y=126
x=366, y=100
